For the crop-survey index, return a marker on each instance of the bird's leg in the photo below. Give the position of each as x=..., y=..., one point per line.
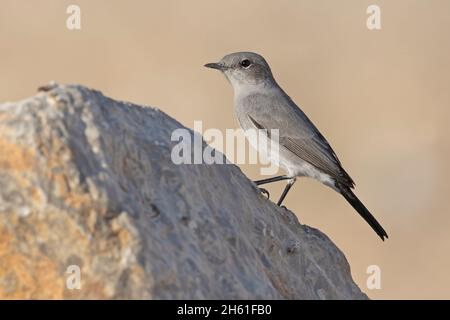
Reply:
x=269, y=180
x=286, y=190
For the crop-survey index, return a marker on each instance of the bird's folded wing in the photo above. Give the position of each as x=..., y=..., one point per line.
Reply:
x=304, y=141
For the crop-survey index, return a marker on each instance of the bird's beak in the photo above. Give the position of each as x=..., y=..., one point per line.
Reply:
x=217, y=66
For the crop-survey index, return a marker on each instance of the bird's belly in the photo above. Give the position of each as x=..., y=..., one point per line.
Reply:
x=295, y=166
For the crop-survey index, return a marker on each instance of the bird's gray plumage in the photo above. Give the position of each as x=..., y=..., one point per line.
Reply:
x=297, y=134
x=260, y=103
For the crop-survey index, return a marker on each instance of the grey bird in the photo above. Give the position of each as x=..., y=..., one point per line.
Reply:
x=260, y=103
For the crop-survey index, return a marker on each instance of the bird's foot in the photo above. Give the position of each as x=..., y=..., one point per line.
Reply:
x=284, y=207
x=265, y=192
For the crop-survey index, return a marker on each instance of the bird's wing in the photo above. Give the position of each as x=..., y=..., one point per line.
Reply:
x=297, y=134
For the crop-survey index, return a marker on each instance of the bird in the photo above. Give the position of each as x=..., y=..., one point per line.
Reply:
x=302, y=151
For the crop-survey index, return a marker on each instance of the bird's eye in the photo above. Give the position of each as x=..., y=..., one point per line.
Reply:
x=245, y=63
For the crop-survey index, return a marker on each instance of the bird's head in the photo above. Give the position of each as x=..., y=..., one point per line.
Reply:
x=243, y=68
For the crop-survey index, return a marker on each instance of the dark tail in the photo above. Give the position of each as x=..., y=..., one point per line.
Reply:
x=363, y=212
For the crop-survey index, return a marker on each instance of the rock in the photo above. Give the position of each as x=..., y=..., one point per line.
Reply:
x=89, y=197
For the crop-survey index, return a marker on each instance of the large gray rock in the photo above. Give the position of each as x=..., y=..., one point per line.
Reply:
x=88, y=181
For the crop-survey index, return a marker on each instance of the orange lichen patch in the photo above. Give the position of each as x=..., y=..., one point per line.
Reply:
x=95, y=290
x=14, y=157
x=48, y=281
x=29, y=272
x=123, y=234
x=37, y=196
x=75, y=198
x=27, y=276
x=125, y=238
x=78, y=200
x=5, y=240
x=4, y=116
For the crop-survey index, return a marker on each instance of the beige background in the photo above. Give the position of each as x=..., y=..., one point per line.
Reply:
x=380, y=97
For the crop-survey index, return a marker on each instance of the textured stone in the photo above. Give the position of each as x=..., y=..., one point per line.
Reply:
x=88, y=181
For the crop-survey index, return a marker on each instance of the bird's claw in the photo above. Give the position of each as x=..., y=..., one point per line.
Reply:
x=264, y=191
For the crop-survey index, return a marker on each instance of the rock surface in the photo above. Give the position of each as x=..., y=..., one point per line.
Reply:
x=87, y=181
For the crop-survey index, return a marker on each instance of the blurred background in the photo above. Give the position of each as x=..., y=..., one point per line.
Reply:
x=380, y=97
